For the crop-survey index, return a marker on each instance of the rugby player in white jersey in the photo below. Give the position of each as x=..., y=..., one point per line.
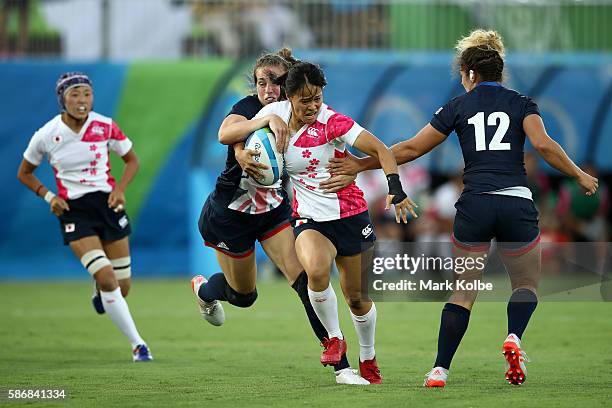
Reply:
x=89, y=203
x=241, y=211
x=332, y=226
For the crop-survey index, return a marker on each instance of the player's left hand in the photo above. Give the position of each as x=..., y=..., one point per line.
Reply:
x=402, y=208
x=58, y=205
x=589, y=183
x=246, y=160
x=336, y=183
x=116, y=200
x=347, y=166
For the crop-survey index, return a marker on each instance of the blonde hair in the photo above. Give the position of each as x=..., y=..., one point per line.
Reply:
x=487, y=40
x=483, y=52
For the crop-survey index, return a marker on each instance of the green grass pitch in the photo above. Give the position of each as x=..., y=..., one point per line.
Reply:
x=50, y=337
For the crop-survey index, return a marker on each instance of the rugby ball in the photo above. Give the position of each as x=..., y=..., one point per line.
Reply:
x=264, y=142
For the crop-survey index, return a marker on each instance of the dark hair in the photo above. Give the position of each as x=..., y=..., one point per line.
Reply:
x=282, y=58
x=485, y=61
x=300, y=75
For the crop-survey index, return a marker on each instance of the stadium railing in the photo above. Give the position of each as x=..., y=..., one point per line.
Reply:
x=130, y=29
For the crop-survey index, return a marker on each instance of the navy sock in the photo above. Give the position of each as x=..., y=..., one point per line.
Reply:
x=520, y=308
x=453, y=324
x=301, y=287
x=215, y=289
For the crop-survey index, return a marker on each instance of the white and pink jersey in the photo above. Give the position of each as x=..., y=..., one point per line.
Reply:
x=81, y=160
x=310, y=149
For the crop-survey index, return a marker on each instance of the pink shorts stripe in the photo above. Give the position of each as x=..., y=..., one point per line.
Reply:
x=470, y=247
x=230, y=254
x=273, y=232
x=522, y=250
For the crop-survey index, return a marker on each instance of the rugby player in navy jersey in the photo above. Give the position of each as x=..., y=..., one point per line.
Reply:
x=491, y=122
x=240, y=211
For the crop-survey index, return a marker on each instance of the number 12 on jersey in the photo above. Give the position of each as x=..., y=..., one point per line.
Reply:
x=479, y=129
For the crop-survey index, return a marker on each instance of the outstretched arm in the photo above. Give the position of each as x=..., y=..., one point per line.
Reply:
x=369, y=144
x=404, y=152
x=555, y=155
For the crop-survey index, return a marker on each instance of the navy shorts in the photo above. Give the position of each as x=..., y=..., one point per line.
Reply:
x=513, y=221
x=234, y=233
x=90, y=215
x=351, y=235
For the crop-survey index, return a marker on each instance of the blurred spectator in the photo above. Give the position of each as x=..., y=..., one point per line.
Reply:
x=435, y=225
x=216, y=20
x=414, y=177
x=354, y=22
x=443, y=206
x=537, y=181
x=540, y=186
x=385, y=226
x=238, y=29
x=583, y=218
x=22, y=9
x=276, y=25
x=122, y=30
x=550, y=227
x=415, y=180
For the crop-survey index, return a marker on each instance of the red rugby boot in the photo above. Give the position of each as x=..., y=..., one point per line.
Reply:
x=369, y=370
x=334, y=349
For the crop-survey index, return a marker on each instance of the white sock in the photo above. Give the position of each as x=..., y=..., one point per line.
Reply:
x=325, y=305
x=365, y=326
x=117, y=309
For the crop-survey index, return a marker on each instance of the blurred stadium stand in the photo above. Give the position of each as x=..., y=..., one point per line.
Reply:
x=163, y=29
x=169, y=70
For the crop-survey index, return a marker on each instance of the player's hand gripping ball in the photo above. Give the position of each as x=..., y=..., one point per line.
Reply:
x=264, y=142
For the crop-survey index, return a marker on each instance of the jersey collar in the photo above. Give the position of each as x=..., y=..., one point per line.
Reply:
x=490, y=83
x=71, y=132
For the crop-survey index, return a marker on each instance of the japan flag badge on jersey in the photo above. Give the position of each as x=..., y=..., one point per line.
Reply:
x=69, y=227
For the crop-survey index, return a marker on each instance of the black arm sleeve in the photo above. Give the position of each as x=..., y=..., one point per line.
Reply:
x=247, y=107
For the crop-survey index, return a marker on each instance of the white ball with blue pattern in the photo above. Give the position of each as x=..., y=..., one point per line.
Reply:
x=264, y=142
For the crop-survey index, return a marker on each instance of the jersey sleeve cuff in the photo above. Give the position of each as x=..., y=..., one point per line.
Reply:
x=31, y=159
x=124, y=147
x=439, y=127
x=351, y=136
x=533, y=112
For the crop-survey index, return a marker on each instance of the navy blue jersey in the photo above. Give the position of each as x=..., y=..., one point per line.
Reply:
x=229, y=180
x=489, y=123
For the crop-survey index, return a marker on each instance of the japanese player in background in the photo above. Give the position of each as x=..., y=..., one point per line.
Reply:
x=89, y=203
